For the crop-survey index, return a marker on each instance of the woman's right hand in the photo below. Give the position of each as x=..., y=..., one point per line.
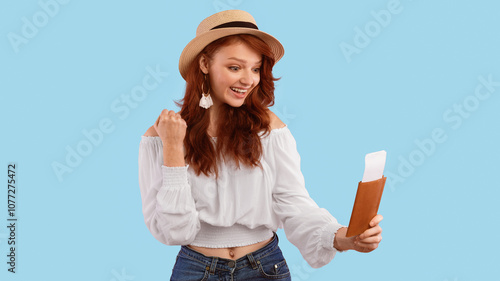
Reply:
x=171, y=128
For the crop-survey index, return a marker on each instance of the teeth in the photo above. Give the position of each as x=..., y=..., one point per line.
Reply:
x=239, y=90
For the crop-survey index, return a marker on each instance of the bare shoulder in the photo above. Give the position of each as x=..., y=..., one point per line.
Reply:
x=151, y=132
x=276, y=123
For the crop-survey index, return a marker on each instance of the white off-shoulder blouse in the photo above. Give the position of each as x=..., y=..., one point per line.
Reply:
x=243, y=206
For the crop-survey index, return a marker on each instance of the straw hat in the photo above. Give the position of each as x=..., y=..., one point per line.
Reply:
x=222, y=24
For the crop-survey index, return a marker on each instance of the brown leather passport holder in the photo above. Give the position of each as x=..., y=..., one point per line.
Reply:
x=365, y=205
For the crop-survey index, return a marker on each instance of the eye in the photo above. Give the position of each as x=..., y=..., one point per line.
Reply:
x=234, y=68
x=256, y=70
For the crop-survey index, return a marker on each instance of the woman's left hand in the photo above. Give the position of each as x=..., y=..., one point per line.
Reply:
x=369, y=240
x=365, y=242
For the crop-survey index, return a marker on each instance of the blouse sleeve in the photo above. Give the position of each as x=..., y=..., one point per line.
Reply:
x=310, y=228
x=167, y=204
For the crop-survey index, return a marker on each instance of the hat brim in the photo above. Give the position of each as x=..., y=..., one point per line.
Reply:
x=195, y=46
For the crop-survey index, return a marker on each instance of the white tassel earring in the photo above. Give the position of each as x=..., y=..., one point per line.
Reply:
x=206, y=100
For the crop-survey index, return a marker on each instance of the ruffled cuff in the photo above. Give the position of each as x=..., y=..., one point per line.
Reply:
x=328, y=236
x=175, y=177
x=151, y=140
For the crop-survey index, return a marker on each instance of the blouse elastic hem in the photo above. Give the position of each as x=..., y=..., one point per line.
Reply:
x=236, y=235
x=175, y=176
x=151, y=139
x=230, y=245
x=328, y=236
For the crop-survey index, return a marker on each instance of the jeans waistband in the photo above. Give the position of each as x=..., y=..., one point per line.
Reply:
x=214, y=262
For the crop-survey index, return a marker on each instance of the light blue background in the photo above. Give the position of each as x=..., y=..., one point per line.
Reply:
x=440, y=219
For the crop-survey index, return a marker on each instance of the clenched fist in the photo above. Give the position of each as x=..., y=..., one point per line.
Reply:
x=171, y=128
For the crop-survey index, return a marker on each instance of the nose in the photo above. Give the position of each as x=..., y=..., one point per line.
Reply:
x=246, y=78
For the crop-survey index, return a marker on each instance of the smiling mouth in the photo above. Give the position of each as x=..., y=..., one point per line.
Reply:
x=240, y=93
x=238, y=90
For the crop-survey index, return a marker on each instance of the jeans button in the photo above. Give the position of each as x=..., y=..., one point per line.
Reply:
x=231, y=264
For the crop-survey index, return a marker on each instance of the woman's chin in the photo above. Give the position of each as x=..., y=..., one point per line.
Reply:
x=236, y=103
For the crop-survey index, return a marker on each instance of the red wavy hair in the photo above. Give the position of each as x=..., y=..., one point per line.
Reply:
x=238, y=128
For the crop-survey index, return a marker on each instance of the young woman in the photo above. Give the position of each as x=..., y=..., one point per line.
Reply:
x=223, y=174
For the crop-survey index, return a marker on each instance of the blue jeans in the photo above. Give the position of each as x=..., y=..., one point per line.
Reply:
x=267, y=263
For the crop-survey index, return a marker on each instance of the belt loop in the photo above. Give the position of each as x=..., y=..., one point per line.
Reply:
x=213, y=265
x=252, y=260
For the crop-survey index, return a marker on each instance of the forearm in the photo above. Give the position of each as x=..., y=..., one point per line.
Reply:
x=173, y=155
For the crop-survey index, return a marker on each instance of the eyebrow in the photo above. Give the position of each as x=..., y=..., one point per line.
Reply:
x=242, y=61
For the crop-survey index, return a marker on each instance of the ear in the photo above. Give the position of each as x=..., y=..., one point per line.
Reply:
x=204, y=64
